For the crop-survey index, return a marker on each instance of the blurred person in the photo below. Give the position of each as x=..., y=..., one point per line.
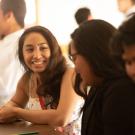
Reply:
x=46, y=85
x=127, y=7
x=83, y=14
x=123, y=46
x=109, y=104
x=12, y=14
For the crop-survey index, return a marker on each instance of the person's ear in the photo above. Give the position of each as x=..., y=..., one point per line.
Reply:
x=9, y=15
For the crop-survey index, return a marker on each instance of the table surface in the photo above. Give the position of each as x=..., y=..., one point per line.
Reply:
x=22, y=126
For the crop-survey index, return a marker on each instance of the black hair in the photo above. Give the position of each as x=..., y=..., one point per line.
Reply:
x=126, y=32
x=124, y=37
x=82, y=14
x=91, y=40
x=133, y=1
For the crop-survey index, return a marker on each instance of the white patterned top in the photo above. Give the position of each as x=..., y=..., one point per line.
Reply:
x=73, y=127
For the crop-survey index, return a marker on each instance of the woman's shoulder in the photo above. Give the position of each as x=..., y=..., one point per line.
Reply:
x=118, y=102
x=122, y=87
x=124, y=82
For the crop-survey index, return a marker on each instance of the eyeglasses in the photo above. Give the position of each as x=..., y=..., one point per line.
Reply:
x=72, y=57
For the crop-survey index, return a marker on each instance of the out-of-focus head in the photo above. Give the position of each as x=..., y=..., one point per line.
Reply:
x=125, y=5
x=12, y=12
x=124, y=40
x=39, y=50
x=89, y=51
x=129, y=59
x=82, y=14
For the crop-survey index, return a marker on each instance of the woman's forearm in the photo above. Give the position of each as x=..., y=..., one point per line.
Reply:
x=51, y=117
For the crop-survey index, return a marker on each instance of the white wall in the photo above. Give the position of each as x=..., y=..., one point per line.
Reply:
x=30, y=18
x=58, y=15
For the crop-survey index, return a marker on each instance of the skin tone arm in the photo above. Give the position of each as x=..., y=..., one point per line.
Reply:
x=19, y=100
x=57, y=117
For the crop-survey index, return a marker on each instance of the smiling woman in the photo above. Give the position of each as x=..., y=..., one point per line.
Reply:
x=36, y=52
x=47, y=84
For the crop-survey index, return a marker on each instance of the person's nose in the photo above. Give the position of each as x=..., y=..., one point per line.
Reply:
x=37, y=53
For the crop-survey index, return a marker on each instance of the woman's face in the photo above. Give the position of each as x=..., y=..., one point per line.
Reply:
x=129, y=59
x=36, y=52
x=82, y=67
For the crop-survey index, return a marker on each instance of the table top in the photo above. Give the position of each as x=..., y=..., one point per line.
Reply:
x=22, y=127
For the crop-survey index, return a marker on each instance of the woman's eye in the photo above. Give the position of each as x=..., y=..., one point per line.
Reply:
x=44, y=48
x=29, y=49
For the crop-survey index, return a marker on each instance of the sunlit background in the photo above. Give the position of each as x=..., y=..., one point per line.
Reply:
x=58, y=15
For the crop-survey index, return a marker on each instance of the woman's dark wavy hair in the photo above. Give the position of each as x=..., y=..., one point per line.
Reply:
x=91, y=40
x=52, y=76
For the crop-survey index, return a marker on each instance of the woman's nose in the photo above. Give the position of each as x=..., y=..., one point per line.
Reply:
x=37, y=53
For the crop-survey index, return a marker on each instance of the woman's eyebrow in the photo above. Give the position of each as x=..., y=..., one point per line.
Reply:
x=27, y=45
x=43, y=43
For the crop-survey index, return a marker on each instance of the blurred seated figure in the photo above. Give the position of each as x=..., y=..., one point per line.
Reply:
x=127, y=7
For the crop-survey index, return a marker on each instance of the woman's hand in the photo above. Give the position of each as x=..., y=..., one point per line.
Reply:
x=7, y=114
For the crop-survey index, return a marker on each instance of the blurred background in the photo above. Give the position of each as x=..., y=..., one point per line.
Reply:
x=58, y=15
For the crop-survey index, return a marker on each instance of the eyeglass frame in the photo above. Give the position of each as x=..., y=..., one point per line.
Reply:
x=72, y=56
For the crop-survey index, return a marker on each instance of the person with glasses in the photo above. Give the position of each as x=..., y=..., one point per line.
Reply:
x=109, y=103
